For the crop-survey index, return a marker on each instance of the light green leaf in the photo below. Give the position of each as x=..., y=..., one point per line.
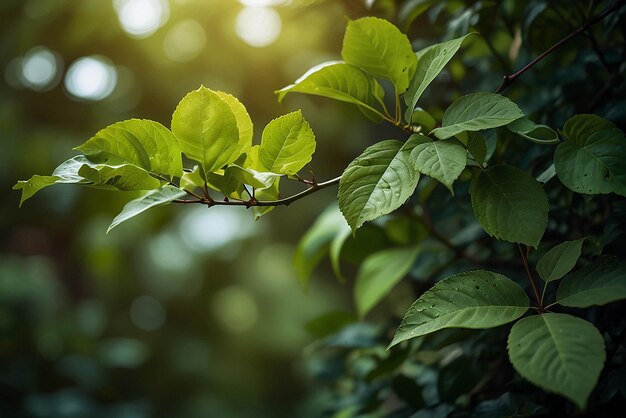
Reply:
x=539, y=134
x=557, y=262
x=443, y=160
x=256, y=179
x=287, y=144
x=510, y=204
x=599, y=283
x=269, y=193
x=379, y=273
x=474, y=299
x=244, y=123
x=314, y=244
x=207, y=130
x=424, y=119
x=591, y=159
x=340, y=81
x=430, y=62
x=377, y=182
x=157, y=197
x=192, y=180
x=559, y=353
x=336, y=245
x=379, y=48
x=144, y=143
x=476, y=112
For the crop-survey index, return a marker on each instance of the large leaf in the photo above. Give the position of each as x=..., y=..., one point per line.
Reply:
x=207, y=129
x=510, y=204
x=379, y=273
x=598, y=283
x=476, y=112
x=557, y=262
x=559, y=353
x=314, y=245
x=443, y=160
x=340, y=81
x=591, y=159
x=144, y=143
x=158, y=197
x=287, y=144
x=475, y=299
x=381, y=49
x=377, y=182
x=429, y=64
x=244, y=123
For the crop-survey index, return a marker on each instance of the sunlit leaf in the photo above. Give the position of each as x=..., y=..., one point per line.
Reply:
x=430, y=63
x=377, y=182
x=510, y=204
x=157, y=197
x=244, y=123
x=379, y=273
x=591, y=159
x=559, y=353
x=287, y=145
x=557, y=262
x=477, y=112
x=379, y=48
x=144, y=143
x=443, y=160
x=475, y=299
x=207, y=129
x=598, y=283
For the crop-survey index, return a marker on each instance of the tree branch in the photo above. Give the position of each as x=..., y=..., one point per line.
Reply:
x=507, y=80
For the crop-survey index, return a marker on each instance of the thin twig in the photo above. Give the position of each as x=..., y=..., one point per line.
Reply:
x=530, y=278
x=507, y=80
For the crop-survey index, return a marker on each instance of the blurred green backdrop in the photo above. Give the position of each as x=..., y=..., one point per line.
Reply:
x=183, y=312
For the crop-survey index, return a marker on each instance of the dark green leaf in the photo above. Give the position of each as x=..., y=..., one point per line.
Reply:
x=599, y=283
x=557, y=262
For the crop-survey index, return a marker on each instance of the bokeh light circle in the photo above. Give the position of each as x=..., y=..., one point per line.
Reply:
x=184, y=41
x=40, y=69
x=258, y=26
x=141, y=18
x=91, y=78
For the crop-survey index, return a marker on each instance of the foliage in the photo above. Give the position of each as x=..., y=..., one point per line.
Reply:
x=485, y=151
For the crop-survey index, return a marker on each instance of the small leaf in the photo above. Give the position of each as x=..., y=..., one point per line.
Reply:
x=158, y=197
x=269, y=193
x=599, y=283
x=377, y=182
x=424, y=119
x=287, y=144
x=557, y=262
x=477, y=112
x=591, y=159
x=429, y=64
x=244, y=123
x=443, y=160
x=340, y=81
x=256, y=179
x=510, y=204
x=207, y=130
x=379, y=273
x=315, y=243
x=379, y=48
x=144, y=143
x=539, y=134
x=336, y=245
x=559, y=353
x=475, y=299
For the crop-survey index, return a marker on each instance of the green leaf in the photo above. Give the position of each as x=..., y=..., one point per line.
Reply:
x=424, y=119
x=477, y=146
x=476, y=112
x=377, y=182
x=591, y=159
x=379, y=48
x=269, y=193
x=206, y=127
x=316, y=241
x=256, y=179
x=474, y=299
x=539, y=134
x=559, y=353
x=379, y=273
x=510, y=204
x=244, y=123
x=144, y=143
x=287, y=144
x=443, y=160
x=599, y=283
x=336, y=245
x=340, y=81
x=560, y=260
x=158, y=197
x=430, y=62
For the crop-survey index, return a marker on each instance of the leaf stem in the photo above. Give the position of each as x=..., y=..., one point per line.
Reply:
x=507, y=80
x=530, y=278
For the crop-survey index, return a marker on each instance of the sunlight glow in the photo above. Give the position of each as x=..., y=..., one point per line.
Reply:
x=91, y=78
x=184, y=41
x=204, y=230
x=141, y=18
x=258, y=26
x=235, y=308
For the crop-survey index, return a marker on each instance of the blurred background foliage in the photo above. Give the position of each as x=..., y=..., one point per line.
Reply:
x=186, y=312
